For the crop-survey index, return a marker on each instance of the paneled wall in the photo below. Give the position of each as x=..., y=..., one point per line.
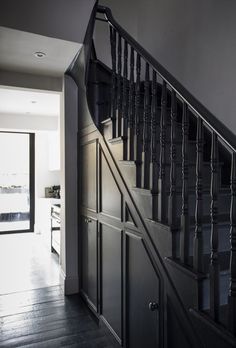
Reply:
x=119, y=282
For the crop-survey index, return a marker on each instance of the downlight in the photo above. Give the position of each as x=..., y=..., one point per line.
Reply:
x=40, y=55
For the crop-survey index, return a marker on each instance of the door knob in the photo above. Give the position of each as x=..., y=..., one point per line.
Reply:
x=89, y=220
x=153, y=306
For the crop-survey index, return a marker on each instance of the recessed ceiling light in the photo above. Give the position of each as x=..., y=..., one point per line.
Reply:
x=33, y=101
x=40, y=54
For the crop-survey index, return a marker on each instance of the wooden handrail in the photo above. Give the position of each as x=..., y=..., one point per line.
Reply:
x=216, y=125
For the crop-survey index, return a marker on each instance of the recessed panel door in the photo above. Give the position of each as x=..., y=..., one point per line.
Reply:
x=143, y=297
x=89, y=259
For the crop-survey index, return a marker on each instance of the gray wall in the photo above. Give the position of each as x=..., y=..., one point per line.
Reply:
x=63, y=19
x=69, y=206
x=194, y=40
x=25, y=80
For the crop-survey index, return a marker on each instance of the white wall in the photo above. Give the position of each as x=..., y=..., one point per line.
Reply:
x=43, y=176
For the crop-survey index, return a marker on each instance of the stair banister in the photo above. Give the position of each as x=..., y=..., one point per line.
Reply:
x=137, y=105
x=232, y=287
x=184, y=233
x=216, y=125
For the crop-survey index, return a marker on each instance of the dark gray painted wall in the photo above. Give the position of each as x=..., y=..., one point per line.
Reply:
x=63, y=19
x=194, y=40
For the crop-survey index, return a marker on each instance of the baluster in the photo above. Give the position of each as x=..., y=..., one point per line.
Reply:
x=162, y=161
x=154, y=139
x=214, y=261
x=232, y=287
x=125, y=98
x=119, y=87
x=131, y=113
x=198, y=241
x=173, y=153
x=138, y=124
x=113, y=88
x=146, y=131
x=184, y=234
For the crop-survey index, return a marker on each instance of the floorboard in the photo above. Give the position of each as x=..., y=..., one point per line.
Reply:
x=45, y=318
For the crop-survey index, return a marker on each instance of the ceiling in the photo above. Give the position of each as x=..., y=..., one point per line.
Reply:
x=18, y=48
x=29, y=102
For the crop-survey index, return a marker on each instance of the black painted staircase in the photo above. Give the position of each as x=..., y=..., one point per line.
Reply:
x=179, y=164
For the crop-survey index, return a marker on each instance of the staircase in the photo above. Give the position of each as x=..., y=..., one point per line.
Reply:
x=179, y=165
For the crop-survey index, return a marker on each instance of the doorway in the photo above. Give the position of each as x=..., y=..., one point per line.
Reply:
x=17, y=201
x=29, y=189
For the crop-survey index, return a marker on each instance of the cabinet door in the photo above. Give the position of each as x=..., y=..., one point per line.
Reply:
x=143, y=297
x=89, y=260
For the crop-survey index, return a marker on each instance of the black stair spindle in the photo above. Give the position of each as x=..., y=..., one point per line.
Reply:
x=131, y=113
x=146, y=130
x=173, y=157
x=138, y=123
x=232, y=287
x=114, y=80
x=214, y=260
x=119, y=87
x=198, y=238
x=154, y=154
x=162, y=161
x=125, y=98
x=184, y=233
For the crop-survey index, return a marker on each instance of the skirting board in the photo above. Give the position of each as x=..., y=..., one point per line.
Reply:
x=69, y=284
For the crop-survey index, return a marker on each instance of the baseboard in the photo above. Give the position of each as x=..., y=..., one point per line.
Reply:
x=69, y=284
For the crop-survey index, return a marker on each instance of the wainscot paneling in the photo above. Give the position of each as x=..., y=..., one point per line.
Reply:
x=111, y=277
x=89, y=249
x=110, y=196
x=88, y=170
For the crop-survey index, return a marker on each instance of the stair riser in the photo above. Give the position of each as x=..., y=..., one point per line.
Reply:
x=223, y=204
x=206, y=174
x=223, y=288
x=107, y=131
x=223, y=234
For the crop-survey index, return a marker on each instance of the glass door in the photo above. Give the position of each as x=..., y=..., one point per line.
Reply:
x=16, y=182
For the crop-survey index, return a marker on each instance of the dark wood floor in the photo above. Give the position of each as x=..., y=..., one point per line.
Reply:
x=45, y=318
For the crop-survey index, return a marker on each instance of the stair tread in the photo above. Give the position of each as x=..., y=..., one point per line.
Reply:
x=223, y=219
x=224, y=259
x=187, y=268
x=117, y=140
x=106, y=121
x=220, y=327
x=223, y=314
x=178, y=163
x=191, y=190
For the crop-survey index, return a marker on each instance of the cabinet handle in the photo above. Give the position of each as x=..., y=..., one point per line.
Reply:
x=153, y=306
